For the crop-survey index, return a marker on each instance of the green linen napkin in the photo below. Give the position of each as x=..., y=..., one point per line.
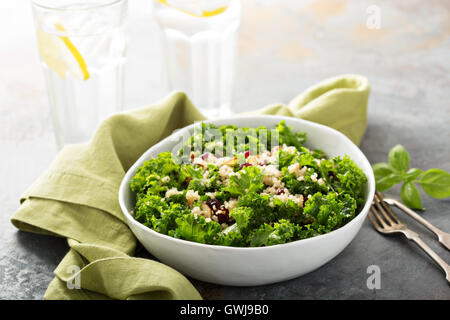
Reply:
x=76, y=198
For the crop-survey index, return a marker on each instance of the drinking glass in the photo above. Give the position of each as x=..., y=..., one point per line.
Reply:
x=199, y=40
x=82, y=46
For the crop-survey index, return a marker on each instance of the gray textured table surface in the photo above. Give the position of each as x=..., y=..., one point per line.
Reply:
x=283, y=49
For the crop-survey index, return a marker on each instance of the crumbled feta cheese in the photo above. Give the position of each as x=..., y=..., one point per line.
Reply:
x=196, y=211
x=272, y=171
x=294, y=169
x=206, y=210
x=192, y=196
x=172, y=192
x=271, y=175
x=290, y=150
x=267, y=158
x=297, y=170
x=276, y=189
x=166, y=179
x=203, y=211
x=225, y=171
x=297, y=198
x=206, y=182
x=231, y=204
x=211, y=195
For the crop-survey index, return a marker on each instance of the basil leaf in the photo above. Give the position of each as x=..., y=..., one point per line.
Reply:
x=388, y=181
x=399, y=158
x=381, y=170
x=436, y=183
x=413, y=174
x=411, y=196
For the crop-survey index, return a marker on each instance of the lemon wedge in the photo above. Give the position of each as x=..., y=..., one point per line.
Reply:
x=61, y=55
x=198, y=12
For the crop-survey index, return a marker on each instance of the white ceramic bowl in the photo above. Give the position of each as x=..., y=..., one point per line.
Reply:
x=261, y=265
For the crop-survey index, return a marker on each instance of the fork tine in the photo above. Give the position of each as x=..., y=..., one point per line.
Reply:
x=379, y=194
x=385, y=213
x=374, y=221
x=386, y=210
x=377, y=215
x=376, y=198
x=390, y=212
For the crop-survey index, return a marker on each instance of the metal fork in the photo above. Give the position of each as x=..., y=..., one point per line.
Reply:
x=385, y=221
x=443, y=237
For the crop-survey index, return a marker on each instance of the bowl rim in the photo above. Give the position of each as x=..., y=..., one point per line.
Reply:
x=361, y=215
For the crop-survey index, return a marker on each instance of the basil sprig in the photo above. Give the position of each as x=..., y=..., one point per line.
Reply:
x=435, y=182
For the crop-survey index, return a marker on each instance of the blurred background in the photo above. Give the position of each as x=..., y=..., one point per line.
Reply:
x=285, y=46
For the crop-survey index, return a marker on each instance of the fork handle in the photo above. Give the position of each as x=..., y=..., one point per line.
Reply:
x=411, y=235
x=441, y=234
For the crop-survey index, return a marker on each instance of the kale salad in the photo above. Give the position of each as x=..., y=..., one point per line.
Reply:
x=247, y=187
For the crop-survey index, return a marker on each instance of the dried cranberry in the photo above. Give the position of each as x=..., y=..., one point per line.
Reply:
x=214, y=204
x=247, y=154
x=308, y=220
x=186, y=181
x=223, y=215
x=245, y=165
x=281, y=191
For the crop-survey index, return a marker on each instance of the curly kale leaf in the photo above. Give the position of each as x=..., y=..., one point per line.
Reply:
x=329, y=212
x=255, y=210
x=248, y=180
x=282, y=231
x=305, y=186
x=158, y=214
x=195, y=228
x=150, y=173
x=260, y=204
x=319, y=154
x=285, y=159
x=193, y=178
x=307, y=160
x=287, y=210
x=148, y=206
x=290, y=138
x=305, y=231
x=231, y=236
x=244, y=217
x=350, y=178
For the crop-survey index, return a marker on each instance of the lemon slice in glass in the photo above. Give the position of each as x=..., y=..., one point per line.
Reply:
x=198, y=8
x=61, y=55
